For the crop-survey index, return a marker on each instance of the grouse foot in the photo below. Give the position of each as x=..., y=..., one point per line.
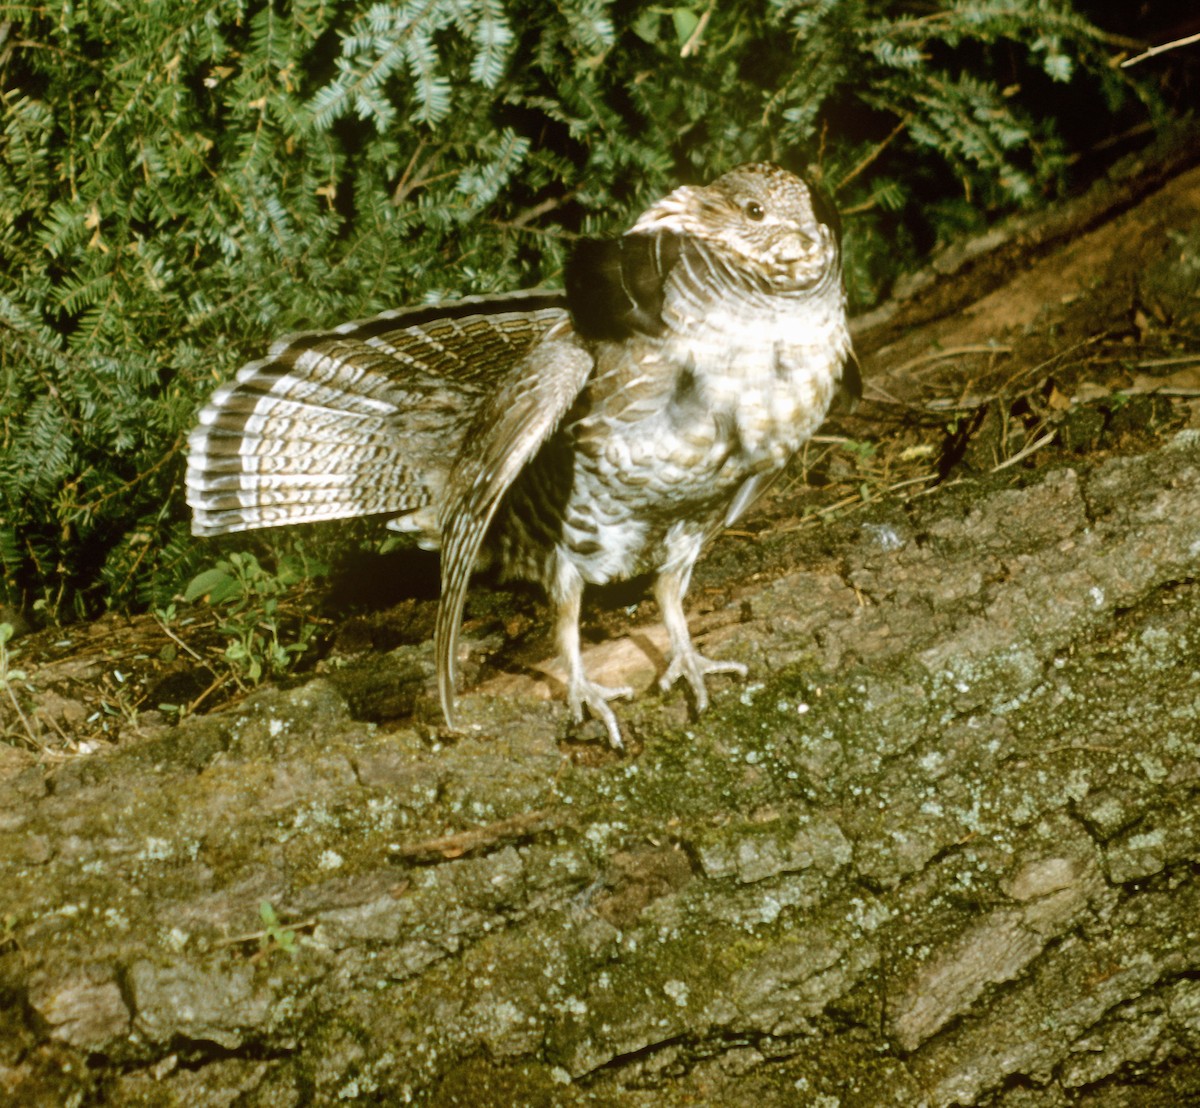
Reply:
x=693, y=666
x=582, y=693
x=686, y=660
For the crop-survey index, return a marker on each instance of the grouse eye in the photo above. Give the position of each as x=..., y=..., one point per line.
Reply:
x=754, y=210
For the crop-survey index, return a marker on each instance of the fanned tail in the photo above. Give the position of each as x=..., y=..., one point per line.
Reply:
x=363, y=420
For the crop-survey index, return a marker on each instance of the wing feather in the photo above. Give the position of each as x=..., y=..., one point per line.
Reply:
x=505, y=436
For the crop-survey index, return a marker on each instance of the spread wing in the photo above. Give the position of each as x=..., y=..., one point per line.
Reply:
x=520, y=415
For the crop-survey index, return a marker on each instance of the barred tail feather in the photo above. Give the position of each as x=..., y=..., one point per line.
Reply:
x=362, y=420
x=316, y=440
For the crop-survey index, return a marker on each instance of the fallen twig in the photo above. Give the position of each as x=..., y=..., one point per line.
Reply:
x=1021, y=455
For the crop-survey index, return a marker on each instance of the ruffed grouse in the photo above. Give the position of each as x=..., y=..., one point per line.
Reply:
x=576, y=438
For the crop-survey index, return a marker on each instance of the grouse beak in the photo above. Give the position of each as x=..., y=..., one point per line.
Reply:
x=803, y=236
x=797, y=246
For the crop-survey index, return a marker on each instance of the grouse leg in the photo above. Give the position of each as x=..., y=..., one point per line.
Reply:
x=581, y=690
x=686, y=660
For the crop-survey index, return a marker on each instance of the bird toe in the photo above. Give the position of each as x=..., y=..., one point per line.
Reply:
x=583, y=693
x=693, y=667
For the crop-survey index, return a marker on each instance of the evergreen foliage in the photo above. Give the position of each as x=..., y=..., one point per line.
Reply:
x=181, y=183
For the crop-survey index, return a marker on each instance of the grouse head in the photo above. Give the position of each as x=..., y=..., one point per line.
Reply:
x=757, y=226
x=759, y=219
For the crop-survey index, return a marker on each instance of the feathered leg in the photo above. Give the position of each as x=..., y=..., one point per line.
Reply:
x=686, y=661
x=581, y=690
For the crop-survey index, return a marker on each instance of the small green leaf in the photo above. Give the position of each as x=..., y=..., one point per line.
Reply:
x=216, y=584
x=646, y=25
x=685, y=23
